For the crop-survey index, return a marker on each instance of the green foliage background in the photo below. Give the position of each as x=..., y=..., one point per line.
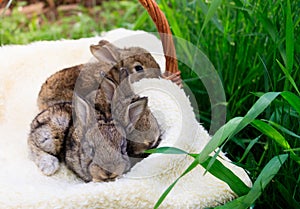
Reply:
x=255, y=48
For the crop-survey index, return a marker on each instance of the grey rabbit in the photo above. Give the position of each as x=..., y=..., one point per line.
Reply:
x=92, y=144
x=111, y=61
x=132, y=112
x=95, y=150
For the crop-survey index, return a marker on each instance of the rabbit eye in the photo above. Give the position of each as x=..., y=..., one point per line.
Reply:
x=124, y=146
x=138, y=68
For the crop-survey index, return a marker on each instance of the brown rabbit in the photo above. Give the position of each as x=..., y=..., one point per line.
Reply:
x=111, y=60
x=94, y=150
x=132, y=112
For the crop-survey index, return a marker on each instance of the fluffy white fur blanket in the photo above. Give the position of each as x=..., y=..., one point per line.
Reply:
x=22, y=71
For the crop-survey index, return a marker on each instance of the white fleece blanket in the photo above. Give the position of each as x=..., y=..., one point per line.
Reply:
x=22, y=71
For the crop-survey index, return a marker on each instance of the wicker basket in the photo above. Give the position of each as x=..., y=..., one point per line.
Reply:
x=163, y=28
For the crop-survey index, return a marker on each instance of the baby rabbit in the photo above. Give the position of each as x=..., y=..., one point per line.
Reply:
x=132, y=112
x=94, y=150
x=60, y=86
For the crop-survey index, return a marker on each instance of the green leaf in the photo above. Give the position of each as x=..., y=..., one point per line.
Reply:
x=167, y=150
x=172, y=19
x=141, y=20
x=289, y=77
x=283, y=129
x=220, y=136
x=268, y=26
x=271, y=132
x=236, y=124
x=266, y=175
x=285, y=193
x=289, y=38
x=260, y=105
x=276, y=136
x=223, y=173
x=251, y=144
x=213, y=166
x=210, y=13
x=292, y=99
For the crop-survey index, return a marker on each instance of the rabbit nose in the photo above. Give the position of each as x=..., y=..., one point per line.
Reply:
x=105, y=176
x=100, y=174
x=110, y=175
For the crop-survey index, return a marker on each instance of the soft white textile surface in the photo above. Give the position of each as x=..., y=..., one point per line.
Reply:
x=22, y=71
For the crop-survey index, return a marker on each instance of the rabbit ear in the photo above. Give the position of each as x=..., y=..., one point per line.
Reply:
x=108, y=87
x=82, y=110
x=136, y=109
x=105, y=51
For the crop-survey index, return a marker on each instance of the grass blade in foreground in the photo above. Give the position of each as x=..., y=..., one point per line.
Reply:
x=235, y=125
x=292, y=99
x=266, y=175
x=283, y=129
x=223, y=173
x=228, y=130
x=167, y=150
x=276, y=136
x=217, y=169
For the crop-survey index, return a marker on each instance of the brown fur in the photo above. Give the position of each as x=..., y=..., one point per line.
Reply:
x=132, y=112
x=94, y=150
x=87, y=77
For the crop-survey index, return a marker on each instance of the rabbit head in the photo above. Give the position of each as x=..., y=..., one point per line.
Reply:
x=128, y=60
x=142, y=130
x=102, y=147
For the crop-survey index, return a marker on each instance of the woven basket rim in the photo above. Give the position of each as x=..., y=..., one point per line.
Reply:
x=162, y=25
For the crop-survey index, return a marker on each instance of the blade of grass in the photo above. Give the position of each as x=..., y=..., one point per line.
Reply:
x=283, y=129
x=268, y=26
x=213, y=159
x=141, y=20
x=220, y=136
x=285, y=193
x=260, y=105
x=237, y=124
x=210, y=13
x=289, y=38
x=167, y=150
x=172, y=19
x=266, y=175
x=229, y=129
x=249, y=147
x=292, y=99
x=223, y=173
x=276, y=136
x=215, y=20
x=288, y=75
x=213, y=166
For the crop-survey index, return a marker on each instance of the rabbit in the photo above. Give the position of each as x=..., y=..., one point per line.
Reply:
x=86, y=77
x=93, y=149
x=131, y=112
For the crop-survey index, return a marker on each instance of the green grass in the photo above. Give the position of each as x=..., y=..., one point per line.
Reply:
x=83, y=22
x=255, y=49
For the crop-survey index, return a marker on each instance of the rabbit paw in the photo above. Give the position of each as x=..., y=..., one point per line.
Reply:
x=48, y=165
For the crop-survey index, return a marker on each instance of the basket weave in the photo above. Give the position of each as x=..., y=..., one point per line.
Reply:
x=163, y=28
